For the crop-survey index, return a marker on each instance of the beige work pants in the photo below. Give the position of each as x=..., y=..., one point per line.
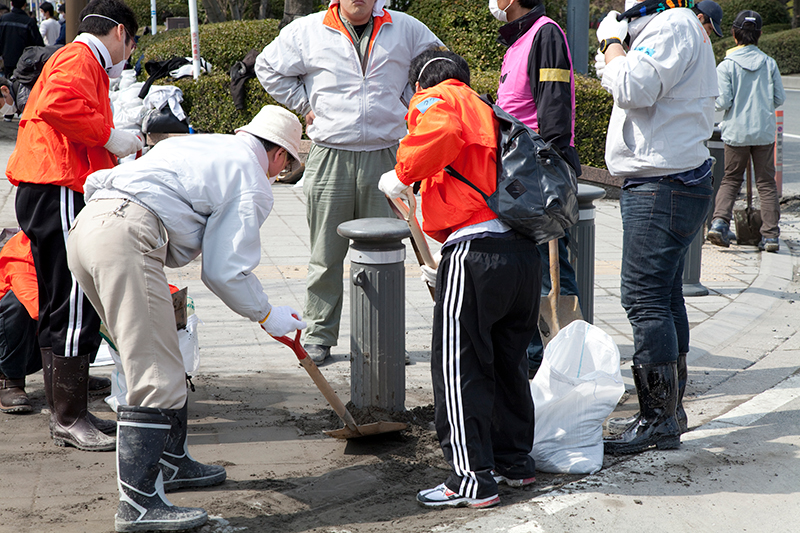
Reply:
x=116, y=250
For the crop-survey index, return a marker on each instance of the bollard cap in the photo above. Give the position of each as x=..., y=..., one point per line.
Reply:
x=374, y=230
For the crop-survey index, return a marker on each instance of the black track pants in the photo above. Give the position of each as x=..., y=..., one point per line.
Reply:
x=487, y=307
x=67, y=321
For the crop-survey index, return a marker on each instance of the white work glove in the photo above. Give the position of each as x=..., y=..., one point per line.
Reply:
x=429, y=275
x=391, y=185
x=599, y=64
x=123, y=143
x=611, y=27
x=282, y=320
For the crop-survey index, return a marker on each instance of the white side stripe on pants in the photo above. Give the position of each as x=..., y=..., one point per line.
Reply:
x=451, y=368
x=72, y=342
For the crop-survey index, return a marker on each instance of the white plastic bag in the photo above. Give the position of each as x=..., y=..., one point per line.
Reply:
x=190, y=350
x=577, y=386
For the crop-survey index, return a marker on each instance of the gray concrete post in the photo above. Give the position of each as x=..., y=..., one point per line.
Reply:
x=581, y=247
x=578, y=34
x=377, y=312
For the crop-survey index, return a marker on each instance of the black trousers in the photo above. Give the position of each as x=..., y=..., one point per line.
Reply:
x=19, y=346
x=487, y=308
x=67, y=321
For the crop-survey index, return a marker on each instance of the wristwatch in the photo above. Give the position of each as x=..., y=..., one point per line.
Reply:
x=605, y=43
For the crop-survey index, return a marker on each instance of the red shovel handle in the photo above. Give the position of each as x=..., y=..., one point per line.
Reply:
x=295, y=345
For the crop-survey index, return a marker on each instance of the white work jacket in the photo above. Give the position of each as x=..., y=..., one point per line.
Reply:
x=314, y=65
x=212, y=196
x=664, y=91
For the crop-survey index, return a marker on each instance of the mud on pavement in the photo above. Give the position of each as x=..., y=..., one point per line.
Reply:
x=283, y=474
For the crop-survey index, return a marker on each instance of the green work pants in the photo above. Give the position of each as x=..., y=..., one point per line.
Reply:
x=339, y=185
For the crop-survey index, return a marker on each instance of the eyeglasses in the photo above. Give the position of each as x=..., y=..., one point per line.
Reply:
x=130, y=37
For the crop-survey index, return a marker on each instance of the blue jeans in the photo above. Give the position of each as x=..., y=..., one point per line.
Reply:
x=659, y=221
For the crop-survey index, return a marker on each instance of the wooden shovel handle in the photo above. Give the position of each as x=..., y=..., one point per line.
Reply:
x=555, y=283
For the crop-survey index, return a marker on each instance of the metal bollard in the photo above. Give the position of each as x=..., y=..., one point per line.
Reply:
x=377, y=312
x=581, y=247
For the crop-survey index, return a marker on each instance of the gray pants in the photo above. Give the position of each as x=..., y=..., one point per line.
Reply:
x=339, y=185
x=737, y=158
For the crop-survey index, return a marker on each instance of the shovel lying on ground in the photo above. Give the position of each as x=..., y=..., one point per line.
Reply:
x=408, y=213
x=351, y=429
x=556, y=311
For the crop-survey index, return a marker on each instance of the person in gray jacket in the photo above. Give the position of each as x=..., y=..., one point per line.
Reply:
x=206, y=194
x=750, y=89
x=345, y=70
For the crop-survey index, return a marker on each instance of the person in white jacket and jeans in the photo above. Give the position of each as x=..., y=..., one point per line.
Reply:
x=664, y=89
x=345, y=70
x=206, y=194
x=750, y=90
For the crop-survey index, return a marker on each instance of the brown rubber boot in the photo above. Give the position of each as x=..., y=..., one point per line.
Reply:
x=71, y=423
x=99, y=386
x=12, y=396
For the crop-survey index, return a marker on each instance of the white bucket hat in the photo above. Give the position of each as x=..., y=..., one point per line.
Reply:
x=277, y=125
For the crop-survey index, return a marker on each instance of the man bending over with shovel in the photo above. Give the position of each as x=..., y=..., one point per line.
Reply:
x=200, y=193
x=487, y=289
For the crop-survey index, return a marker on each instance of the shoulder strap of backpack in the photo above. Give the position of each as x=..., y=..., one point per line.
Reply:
x=453, y=172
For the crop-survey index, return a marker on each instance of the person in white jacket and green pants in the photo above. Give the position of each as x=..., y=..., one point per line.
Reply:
x=750, y=89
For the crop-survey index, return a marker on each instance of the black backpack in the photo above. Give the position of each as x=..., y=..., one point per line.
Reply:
x=536, y=188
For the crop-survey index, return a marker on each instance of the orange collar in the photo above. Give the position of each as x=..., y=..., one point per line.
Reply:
x=333, y=20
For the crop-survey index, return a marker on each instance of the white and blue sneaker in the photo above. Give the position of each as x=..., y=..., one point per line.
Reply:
x=441, y=496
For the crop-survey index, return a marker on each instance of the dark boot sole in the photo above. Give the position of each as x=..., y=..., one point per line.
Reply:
x=664, y=443
x=17, y=409
x=716, y=238
x=159, y=525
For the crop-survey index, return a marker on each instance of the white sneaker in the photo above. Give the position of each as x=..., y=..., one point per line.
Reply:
x=516, y=483
x=441, y=496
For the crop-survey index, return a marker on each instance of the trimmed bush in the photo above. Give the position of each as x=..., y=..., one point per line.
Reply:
x=164, y=9
x=783, y=46
x=771, y=11
x=592, y=112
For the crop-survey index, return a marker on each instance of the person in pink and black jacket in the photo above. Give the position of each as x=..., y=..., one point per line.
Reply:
x=537, y=86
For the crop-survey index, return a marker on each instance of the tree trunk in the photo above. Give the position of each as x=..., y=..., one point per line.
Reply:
x=214, y=11
x=265, y=9
x=795, y=13
x=294, y=9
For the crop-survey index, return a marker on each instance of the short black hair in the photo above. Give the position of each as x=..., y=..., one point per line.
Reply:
x=434, y=66
x=19, y=4
x=62, y=8
x=529, y=4
x=47, y=7
x=745, y=36
x=116, y=10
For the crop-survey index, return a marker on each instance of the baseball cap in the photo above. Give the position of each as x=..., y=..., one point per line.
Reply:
x=711, y=9
x=747, y=17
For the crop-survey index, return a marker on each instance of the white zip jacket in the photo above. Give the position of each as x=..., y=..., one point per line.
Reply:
x=664, y=92
x=214, y=204
x=314, y=65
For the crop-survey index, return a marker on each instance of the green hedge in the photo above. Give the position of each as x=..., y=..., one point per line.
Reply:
x=771, y=11
x=164, y=8
x=592, y=112
x=783, y=46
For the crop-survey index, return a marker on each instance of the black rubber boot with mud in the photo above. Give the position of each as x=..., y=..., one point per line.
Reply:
x=657, y=388
x=178, y=467
x=12, y=396
x=143, y=434
x=71, y=423
x=618, y=425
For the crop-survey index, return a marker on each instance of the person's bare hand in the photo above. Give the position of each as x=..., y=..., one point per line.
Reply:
x=310, y=118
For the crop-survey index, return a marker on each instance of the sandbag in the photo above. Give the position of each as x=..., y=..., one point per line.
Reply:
x=577, y=386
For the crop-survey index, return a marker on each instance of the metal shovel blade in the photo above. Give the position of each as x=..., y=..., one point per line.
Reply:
x=365, y=430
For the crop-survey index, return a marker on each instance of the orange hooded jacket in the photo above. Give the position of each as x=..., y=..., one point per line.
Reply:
x=66, y=123
x=449, y=125
x=18, y=274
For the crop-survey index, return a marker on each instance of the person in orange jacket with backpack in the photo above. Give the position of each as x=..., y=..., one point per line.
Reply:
x=65, y=133
x=487, y=288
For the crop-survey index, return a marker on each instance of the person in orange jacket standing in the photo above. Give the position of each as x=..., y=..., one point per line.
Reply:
x=67, y=132
x=487, y=288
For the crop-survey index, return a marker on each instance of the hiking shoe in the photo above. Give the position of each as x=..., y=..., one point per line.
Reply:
x=719, y=233
x=441, y=496
x=516, y=483
x=317, y=352
x=769, y=244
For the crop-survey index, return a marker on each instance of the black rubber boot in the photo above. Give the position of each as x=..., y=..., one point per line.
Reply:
x=13, y=398
x=143, y=434
x=657, y=388
x=618, y=425
x=70, y=419
x=178, y=468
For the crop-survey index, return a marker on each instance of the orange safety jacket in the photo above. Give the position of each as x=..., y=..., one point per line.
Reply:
x=449, y=125
x=18, y=274
x=66, y=123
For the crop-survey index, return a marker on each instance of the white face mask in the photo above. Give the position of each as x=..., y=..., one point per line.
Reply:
x=7, y=109
x=115, y=71
x=499, y=14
